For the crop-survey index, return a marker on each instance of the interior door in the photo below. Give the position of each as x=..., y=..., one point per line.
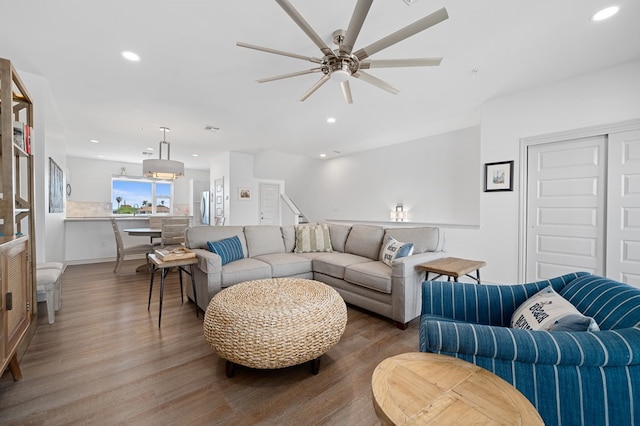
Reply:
x=269, y=204
x=623, y=232
x=566, y=185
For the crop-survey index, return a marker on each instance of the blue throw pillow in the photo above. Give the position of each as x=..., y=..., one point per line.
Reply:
x=229, y=249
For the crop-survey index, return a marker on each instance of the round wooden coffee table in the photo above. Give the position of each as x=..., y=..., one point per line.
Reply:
x=421, y=388
x=275, y=323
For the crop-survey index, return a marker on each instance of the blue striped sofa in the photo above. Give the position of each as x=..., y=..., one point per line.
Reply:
x=588, y=378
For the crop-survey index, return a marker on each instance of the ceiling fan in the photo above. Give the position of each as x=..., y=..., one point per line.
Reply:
x=342, y=63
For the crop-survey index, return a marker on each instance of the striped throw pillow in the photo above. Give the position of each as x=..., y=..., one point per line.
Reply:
x=229, y=249
x=313, y=238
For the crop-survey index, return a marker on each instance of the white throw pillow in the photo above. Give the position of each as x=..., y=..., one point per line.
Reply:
x=393, y=249
x=547, y=310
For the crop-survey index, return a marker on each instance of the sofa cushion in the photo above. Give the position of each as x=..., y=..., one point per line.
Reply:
x=547, y=310
x=373, y=275
x=312, y=238
x=424, y=238
x=286, y=264
x=246, y=269
x=263, y=239
x=614, y=305
x=333, y=264
x=229, y=249
x=365, y=240
x=339, y=234
x=393, y=249
x=198, y=236
x=289, y=237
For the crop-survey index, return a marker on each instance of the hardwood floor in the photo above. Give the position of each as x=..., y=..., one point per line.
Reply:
x=105, y=361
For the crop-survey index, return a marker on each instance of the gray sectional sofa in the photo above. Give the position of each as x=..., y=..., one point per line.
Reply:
x=353, y=266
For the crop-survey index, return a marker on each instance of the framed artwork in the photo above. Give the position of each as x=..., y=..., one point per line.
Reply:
x=244, y=193
x=498, y=176
x=56, y=188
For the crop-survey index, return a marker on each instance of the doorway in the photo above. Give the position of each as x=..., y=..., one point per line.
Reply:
x=269, y=203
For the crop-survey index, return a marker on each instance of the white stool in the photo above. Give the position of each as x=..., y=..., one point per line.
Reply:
x=50, y=265
x=60, y=267
x=48, y=281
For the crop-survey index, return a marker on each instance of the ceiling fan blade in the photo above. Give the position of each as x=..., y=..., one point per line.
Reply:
x=315, y=87
x=355, y=25
x=376, y=82
x=304, y=25
x=293, y=74
x=279, y=52
x=346, y=91
x=397, y=63
x=406, y=32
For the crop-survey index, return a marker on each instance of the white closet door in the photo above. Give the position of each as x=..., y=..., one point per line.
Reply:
x=565, y=208
x=623, y=230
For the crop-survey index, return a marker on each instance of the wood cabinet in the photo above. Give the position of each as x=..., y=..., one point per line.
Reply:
x=17, y=227
x=16, y=301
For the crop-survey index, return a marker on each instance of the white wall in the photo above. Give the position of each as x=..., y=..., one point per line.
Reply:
x=436, y=179
x=49, y=141
x=242, y=212
x=603, y=97
x=90, y=179
x=436, y=187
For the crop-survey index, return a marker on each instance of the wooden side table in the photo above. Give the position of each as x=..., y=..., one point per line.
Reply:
x=453, y=267
x=164, y=267
x=420, y=388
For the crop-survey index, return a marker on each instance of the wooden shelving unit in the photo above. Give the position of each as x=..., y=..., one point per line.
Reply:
x=17, y=242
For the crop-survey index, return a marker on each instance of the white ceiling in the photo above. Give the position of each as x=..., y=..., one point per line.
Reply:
x=192, y=74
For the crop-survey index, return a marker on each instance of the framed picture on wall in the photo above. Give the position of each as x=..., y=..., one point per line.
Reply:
x=498, y=176
x=56, y=188
x=244, y=193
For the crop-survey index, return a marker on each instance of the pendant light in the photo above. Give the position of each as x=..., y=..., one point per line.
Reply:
x=160, y=168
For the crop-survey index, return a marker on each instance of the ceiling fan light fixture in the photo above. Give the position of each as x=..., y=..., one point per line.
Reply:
x=340, y=76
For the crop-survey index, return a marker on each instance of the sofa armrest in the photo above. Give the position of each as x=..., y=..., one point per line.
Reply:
x=208, y=262
x=406, y=282
x=407, y=265
x=596, y=349
x=489, y=304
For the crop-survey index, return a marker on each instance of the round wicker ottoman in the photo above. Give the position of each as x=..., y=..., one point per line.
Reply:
x=275, y=323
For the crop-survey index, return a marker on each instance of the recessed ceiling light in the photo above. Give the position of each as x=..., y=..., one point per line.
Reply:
x=605, y=13
x=323, y=155
x=195, y=155
x=130, y=56
x=94, y=141
x=150, y=149
x=331, y=120
x=100, y=156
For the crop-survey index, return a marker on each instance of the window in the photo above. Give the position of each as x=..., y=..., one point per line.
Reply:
x=141, y=196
